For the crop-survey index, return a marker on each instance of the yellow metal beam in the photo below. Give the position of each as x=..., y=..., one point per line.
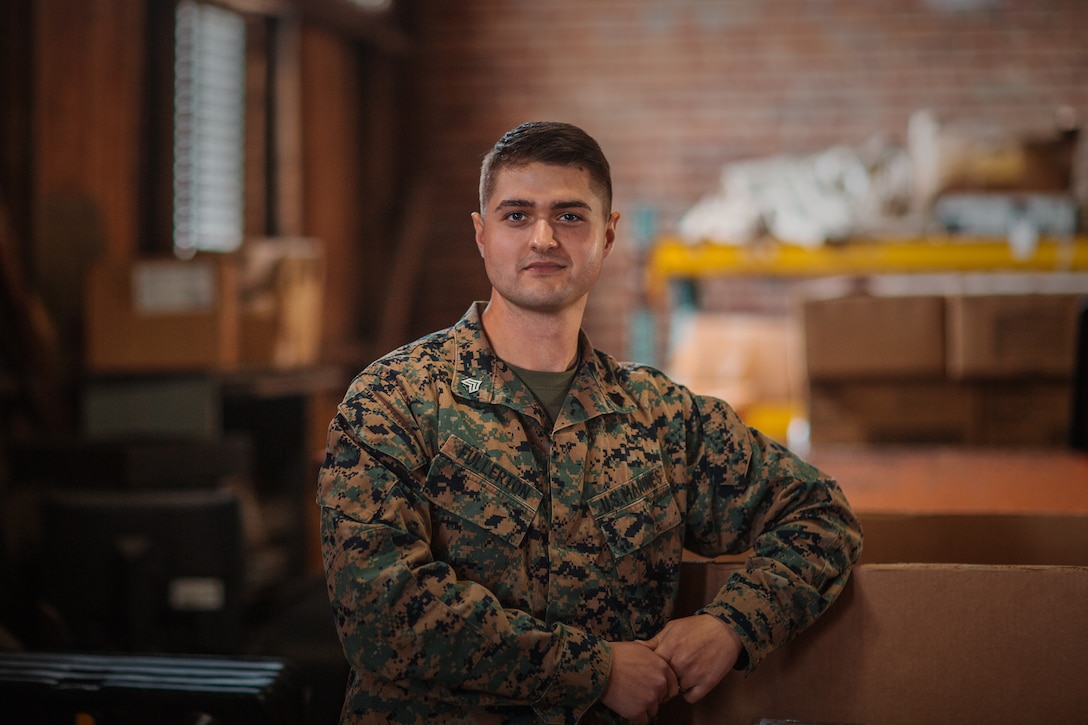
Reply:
x=673, y=258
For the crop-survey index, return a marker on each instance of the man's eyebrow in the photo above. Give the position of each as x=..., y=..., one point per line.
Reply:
x=557, y=206
x=514, y=203
x=526, y=204
x=572, y=204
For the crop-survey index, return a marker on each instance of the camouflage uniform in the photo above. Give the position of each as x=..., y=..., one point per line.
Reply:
x=479, y=559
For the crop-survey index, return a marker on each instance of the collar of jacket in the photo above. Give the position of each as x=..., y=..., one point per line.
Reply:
x=483, y=377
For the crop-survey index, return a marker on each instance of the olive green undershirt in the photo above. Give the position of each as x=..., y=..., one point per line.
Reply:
x=549, y=388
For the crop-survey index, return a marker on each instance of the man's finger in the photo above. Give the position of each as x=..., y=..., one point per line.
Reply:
x=674, y=684
x=693, y=695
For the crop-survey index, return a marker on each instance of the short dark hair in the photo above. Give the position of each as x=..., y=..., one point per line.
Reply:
x=547, y=142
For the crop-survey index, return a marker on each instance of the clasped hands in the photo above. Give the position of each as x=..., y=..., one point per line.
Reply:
x=688, y=657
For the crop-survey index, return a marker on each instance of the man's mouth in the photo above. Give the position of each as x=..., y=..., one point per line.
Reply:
x=544, y=265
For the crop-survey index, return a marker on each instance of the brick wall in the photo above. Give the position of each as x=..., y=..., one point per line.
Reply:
x=674, y=90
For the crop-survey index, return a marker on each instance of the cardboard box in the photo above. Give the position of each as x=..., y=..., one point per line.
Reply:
x=1020, y=413
x=963, y=154
x=162, y=315
x=745, y=359
x=282, y=287
x=941, y=479
x=892, y=411
x=995, y=539
x=916, y=643
x=870, y=336
x=261, y=308
x=1003, y=336
x=992, y=538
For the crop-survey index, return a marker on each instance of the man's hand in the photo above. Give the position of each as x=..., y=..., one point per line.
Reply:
x=639, y=682
x=700, y=650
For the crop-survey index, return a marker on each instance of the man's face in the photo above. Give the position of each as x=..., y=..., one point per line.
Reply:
x=544, y=236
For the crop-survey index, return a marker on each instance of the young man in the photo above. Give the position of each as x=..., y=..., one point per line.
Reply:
x=504, y=508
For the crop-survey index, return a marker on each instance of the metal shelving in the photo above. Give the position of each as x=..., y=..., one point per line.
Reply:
x=672, y=258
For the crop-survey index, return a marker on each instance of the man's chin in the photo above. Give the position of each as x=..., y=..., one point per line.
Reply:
x=542, y=303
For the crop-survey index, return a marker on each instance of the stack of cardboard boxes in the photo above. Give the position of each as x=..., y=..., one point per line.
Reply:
x=753, y=361
x=944, y=369
x=216, y=312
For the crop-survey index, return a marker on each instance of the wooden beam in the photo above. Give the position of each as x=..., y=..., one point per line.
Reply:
x=287, y=163
x=402, y=288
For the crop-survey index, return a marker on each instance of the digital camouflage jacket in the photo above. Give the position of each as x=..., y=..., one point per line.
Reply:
x=479, y=559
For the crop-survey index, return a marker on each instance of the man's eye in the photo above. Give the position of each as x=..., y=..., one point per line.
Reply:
x=569, y=217
x=516, y=216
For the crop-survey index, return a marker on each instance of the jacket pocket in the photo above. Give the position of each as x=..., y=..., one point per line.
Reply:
x=465, y=483
x=634, y=514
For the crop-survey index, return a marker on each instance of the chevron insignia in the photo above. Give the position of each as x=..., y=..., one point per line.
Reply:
x=472, y=384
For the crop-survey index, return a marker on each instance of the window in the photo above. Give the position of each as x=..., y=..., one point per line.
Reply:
x=209, y=124
x=372, y=5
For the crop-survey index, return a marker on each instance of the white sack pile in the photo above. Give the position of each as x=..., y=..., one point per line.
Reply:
x=805, y=200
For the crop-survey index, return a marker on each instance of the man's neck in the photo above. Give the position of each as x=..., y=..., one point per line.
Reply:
x=541, y=341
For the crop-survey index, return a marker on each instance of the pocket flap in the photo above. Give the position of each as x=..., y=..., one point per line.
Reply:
x=466, y=483
x=635, y=513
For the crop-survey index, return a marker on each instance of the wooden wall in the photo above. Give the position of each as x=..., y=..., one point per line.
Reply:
x=353, y=181
x=88, y=70
x=84, y=90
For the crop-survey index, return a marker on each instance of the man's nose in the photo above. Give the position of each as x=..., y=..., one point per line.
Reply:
x=543, y=236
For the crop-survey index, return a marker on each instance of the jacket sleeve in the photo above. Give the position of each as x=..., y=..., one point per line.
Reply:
x=749, y=493
x=404, y=616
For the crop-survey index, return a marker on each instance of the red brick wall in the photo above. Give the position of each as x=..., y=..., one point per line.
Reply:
x=673, y=90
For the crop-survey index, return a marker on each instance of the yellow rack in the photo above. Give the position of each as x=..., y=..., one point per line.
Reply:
x=673, y=258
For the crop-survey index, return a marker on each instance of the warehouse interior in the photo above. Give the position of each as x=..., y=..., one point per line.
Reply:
x=865, y=225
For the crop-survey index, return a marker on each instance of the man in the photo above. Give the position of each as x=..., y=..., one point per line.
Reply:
x=504, y=508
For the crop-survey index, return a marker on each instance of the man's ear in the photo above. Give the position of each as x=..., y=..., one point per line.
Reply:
x=478, y=224
x=610, y=232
